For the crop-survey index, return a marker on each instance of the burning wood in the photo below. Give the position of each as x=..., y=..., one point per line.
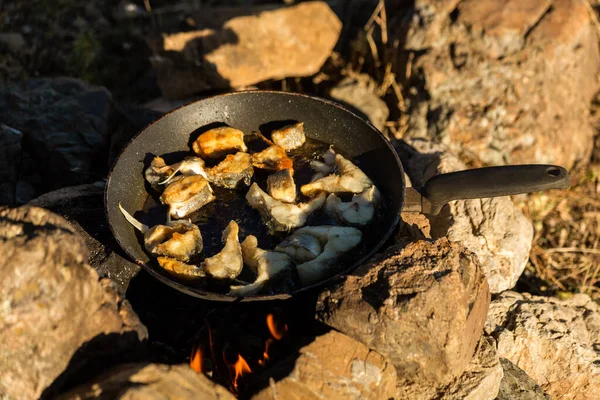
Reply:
x=242, y=366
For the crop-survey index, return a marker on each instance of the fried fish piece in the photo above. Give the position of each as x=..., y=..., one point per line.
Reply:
x=228, y=262
x=232, y=170
x=179, y=240
x=180, y=269
x=187, y=195
x=290, y=137
x=219, y=142
x=272, y=158
x=266, y=264
x=157, y=172
x=359, y=211
x=336, y=240
x=189, y=166
x=301, y=247
x=281, y=186
x=349, y=179
x=279, y=216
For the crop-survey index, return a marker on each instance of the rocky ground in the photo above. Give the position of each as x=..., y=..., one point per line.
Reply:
x=453, y=84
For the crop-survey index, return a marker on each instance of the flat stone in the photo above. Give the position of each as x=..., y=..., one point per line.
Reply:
x=422, y=306
x=517, y=385
x=555, y=342
x=334, y=367
x=493, y=228
x=356, y=94
x=480, y=380
x=273, y=44
x=150, y=382
x=52, y=304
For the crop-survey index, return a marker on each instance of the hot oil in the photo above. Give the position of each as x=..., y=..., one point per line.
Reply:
x=231, y=204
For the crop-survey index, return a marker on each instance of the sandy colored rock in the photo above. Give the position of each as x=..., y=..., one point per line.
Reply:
x=422, y=306
x=509, y=81
x=334, y=367
x=480, y=380
x=52, y=303
x=274, y=44
x=555, y=342
x=517, y=385
x=358, y=95
x=152, y=382
x=493, y=228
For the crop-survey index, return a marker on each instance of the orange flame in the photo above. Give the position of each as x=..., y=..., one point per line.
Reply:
x=274, y=329
x=196, y=360
x=241, y=367
x=265, y=354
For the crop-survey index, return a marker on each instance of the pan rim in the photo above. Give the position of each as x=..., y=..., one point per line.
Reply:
x=207, y=295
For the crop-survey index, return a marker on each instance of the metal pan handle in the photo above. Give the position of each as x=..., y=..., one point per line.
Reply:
x=492, y=182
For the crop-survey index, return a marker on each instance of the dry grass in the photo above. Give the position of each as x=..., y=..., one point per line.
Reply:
x=566, y=249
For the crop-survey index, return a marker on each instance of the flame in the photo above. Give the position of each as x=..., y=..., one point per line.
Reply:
x=240, y=367
x=274, y=329
x=265, y=355
x=196, y=360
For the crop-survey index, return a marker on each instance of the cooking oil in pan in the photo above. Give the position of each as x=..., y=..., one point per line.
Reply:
x=231, y=204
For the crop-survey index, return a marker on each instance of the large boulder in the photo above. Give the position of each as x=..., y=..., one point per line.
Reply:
x=508, y=80
x=149, y=382
x=265, y=44
x=479, y=381
x=493, y=228
x=53, y=303
x=555, y=342
x=54, y=134
x=334, y=367
x=422, y=306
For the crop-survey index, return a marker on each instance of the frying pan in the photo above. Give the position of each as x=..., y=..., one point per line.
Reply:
x=323, y=120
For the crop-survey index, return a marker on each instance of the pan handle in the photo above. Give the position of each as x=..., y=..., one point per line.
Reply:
x=492, y=182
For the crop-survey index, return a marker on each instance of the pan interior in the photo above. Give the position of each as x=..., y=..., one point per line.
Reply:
x=251, y=111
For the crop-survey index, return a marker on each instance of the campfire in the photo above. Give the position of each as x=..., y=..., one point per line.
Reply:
x=225, y=362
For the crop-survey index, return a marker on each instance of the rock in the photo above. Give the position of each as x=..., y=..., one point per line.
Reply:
x=83, y=207
x=334, y=366
x=63, y=136
x=555, y=342
x=517, y=385
x=413, y=227
x=14, y=41
x=52, y=304
x=493, y=228
x=423, y=307
x=480, y=381
x=149, y=382
x=357, y=94
x=285, y=42
x=125, y=122
x=509, y=81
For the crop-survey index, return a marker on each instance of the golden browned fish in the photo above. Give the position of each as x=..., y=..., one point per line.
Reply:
x=272, y=158
x=228, y=263
x=187, y=195
x=180, y=269
x=219, y=142
x=232, y=170
x=157, y=172
x=281, y=186
x=290, y=137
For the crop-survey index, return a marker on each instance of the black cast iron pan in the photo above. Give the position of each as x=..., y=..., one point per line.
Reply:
x=325, y=121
